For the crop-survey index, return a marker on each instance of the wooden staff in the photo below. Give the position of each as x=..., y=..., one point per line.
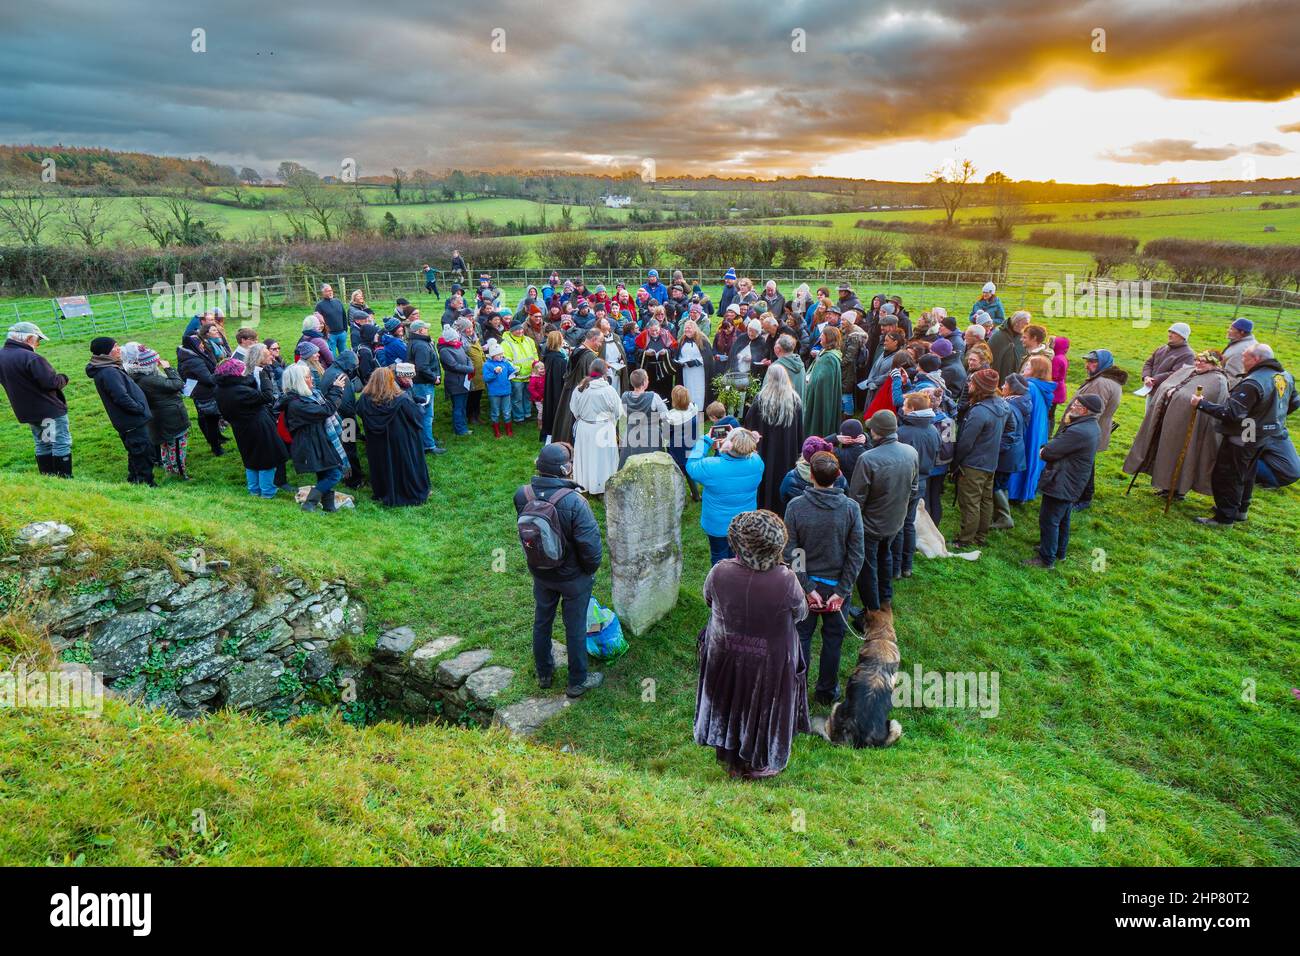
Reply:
x=1178, y=468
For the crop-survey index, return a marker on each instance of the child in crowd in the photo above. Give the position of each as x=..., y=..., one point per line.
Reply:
x=497, y=372
x=717, y=415
x=683, y=424
x=537, y=388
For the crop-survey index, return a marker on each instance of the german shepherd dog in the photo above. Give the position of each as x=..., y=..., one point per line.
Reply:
x=862, y=718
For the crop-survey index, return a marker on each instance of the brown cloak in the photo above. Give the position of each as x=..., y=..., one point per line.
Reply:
x=1160, y=440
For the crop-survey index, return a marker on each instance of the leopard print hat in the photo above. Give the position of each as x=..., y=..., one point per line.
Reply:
x=757, y=539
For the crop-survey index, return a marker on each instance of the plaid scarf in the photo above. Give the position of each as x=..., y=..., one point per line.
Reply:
x=334, y=432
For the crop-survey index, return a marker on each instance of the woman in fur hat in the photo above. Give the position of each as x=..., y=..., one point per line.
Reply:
x=752, y=695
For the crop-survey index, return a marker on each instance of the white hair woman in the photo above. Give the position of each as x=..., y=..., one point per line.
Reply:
x=749, y=351
x=777, y=415
x=313, y=422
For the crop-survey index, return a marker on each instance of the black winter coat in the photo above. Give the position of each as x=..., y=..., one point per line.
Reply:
x=126, y=405
x=250, y=411
x=35, y=390
x=164, y=391
x=582, y=547
x=421, y=353
x=312, y=449
x=1069, y=458
x=919, y=432
x=200, y=366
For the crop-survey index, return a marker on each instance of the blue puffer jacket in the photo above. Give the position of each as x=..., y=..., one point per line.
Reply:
x=496, y=375
x=730, y=485
x=979, y=439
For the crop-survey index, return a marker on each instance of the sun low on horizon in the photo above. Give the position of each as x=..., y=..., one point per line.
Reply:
x=1077, y=135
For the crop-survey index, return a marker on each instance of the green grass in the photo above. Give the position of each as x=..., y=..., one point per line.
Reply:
x=241, y=223
x=1121, y=689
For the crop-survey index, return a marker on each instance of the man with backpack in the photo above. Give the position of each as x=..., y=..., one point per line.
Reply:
x=561, y=541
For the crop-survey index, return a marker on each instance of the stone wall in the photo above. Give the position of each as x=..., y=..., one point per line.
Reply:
x=192, y=642
x=440, y=679
x=200, y=640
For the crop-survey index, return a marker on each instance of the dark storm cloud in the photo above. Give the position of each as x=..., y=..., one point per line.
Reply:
x=696, y=87
x=1156, y=151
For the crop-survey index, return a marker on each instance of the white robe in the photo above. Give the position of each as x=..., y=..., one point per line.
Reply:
x=596, y=412
x=693, y=376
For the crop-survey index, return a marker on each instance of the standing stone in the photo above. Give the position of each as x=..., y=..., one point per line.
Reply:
x=643, y=527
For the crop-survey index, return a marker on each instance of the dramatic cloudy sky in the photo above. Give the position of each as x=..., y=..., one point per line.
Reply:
x=1185, y=88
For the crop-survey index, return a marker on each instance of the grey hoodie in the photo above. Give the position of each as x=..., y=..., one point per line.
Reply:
x=826, y=525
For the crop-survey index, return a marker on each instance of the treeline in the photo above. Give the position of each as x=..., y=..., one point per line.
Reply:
x=77, y=166
x=1228, y=263
x=46, y=270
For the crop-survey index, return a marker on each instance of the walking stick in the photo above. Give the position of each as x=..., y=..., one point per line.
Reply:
x=1178, y=468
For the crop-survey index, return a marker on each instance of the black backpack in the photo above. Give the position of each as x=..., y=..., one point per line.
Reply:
x=540, y=530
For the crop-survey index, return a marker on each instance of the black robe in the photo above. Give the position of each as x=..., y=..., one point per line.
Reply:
x=399, y=474
x=779, y=447
x=579, y=366
x=656, y=358
x=556, y=364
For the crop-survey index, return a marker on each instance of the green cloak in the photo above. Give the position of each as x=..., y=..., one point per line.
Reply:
x=822, y=409
x=794, y=365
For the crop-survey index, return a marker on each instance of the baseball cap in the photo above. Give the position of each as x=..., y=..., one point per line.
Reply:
x=27, y=328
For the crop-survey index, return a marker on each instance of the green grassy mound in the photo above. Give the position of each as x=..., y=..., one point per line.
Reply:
x=1121, y=690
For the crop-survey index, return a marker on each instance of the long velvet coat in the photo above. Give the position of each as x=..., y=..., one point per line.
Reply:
x=752, y=695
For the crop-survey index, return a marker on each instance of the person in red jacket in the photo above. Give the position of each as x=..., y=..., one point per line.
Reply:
x=1060, y=368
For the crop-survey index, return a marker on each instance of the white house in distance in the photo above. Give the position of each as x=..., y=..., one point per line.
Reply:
x=617, y=202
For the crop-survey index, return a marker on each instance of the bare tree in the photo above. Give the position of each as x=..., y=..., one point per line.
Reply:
x=1008, y=210
x=398, y=176
x=950, y=184
x=86, y=220
x=319, y=203
x=25, y=213
x=151, y=219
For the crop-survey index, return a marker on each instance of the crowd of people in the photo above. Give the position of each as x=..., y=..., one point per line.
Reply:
x=859, y=419
x=852, y=419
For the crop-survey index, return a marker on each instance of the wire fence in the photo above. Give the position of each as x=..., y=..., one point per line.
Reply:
x=1048, y=290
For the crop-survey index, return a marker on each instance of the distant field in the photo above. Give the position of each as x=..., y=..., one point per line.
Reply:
x=238, y=223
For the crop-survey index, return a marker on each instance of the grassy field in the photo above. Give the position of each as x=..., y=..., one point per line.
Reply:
x=243, y=223
x=1121, y=689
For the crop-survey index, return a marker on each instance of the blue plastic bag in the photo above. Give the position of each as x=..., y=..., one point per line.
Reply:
x=605, y=639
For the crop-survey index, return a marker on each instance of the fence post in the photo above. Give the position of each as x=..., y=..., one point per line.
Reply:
x=121, y=310
x=1237, y=308
x=365, y=284
x=1277, y=320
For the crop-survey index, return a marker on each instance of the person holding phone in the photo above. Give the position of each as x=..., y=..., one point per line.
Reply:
x=729, y=481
